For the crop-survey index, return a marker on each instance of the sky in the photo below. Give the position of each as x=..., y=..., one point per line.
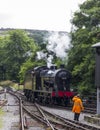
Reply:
x=51, y=15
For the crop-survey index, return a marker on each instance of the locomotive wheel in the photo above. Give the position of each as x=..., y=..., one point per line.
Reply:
x=40, y=99
x=32, y=98
x=58, y=101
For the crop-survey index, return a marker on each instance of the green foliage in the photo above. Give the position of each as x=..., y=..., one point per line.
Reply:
x=16, y=47
x=88, y=16
x=38, y=35
x=18, y=52
x=1, y=118
x=28, y=65
x=85, y=33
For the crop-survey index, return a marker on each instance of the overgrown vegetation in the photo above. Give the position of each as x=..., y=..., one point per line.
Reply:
x=11, y=84
x=85, y=33
x=18, y=52
x=18, y=49
x=1, y=120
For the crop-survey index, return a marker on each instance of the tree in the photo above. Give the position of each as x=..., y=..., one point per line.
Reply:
x=85, y=33
x=18, y=48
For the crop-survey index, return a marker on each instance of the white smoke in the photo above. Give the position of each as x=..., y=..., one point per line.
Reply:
x=58, y=43
x=49, y=61
x=41, y=55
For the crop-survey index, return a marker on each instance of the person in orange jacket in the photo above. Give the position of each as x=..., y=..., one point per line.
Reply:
x=77, y=107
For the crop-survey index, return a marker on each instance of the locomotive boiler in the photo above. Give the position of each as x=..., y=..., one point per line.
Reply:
x=48, y=85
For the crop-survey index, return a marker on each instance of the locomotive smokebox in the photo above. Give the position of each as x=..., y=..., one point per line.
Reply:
x=97, y=75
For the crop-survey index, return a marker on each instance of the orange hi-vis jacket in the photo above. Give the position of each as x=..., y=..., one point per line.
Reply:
x=78, y=105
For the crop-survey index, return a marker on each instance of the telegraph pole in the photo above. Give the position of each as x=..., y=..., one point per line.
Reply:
x=97, y=75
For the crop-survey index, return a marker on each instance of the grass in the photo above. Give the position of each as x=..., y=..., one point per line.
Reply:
x=11, y=84
x=1, y=120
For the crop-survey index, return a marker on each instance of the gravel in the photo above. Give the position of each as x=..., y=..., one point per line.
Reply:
x=10, y=118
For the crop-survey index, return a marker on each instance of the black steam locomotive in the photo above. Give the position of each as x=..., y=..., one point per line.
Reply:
x=48, y=85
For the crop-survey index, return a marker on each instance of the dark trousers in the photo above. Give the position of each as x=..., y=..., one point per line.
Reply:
x=76, y=116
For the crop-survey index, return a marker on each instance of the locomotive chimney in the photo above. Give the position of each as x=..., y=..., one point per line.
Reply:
x=53, y=67
x=97, y=75
x=62, y=66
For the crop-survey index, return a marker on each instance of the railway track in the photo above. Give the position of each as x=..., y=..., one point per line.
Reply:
x=86, y=109
x=19, y=104
x=23, y=120
x=57, y=122
x=72, y=123
x=65, y=122
x=2, y=103
x=39, y=116
x=48, y=120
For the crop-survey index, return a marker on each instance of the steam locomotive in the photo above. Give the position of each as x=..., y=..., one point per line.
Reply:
x=48, y=85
